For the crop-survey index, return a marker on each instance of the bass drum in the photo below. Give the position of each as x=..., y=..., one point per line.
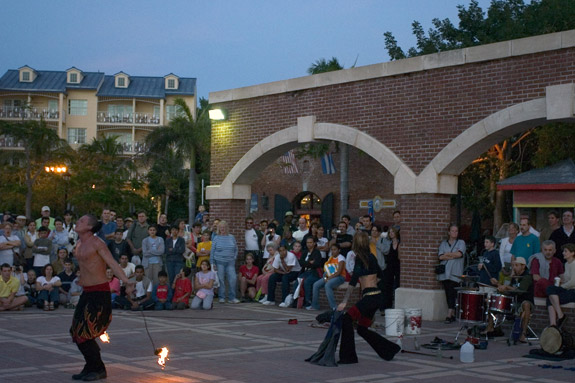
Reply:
x=556, y=341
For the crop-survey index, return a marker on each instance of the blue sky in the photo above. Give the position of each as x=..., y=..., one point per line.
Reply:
x=224, y=44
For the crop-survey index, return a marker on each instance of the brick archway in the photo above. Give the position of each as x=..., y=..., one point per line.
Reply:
x=424, y=119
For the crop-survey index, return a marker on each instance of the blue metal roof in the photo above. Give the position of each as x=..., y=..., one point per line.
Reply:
x=48, y=81
x=146, y=87
x=562, y=172
x=139, y=86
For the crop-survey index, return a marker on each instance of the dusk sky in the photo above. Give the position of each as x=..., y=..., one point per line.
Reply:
x=224, y=44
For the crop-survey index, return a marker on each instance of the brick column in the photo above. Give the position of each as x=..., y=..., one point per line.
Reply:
x=424, y=221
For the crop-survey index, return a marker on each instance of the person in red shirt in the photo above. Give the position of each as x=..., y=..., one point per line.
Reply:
x=162, y=294
x=182, y=289
x=545, y=267
x=248, y=277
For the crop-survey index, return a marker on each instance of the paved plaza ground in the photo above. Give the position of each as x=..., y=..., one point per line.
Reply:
x=244, y=343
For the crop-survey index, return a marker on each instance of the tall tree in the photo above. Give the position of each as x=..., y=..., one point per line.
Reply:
x=40, y=145
x=189, y=137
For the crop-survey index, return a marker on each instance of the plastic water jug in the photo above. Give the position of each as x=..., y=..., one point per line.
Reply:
x=467, y=353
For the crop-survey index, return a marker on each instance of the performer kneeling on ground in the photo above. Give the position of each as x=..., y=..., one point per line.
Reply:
x=94, y=310
x=366, y=270
x=522, y=285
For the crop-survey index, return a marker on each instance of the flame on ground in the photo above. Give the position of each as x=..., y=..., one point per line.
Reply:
x=105, y=338
x=162, y=356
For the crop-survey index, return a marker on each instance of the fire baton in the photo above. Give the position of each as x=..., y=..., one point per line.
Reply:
x=423, y=353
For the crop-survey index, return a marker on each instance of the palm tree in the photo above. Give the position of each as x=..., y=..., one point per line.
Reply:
x=189, y=138
x=40, y=146
x=322, y=66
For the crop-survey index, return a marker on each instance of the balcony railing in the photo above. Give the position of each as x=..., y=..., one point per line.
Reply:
x=10, y=142
x=129, y=118
x=134, y=147
x=18, y=112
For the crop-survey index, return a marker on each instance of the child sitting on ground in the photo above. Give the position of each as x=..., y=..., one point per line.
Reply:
x=204, y=287
x=182, y=289
x=162, y=294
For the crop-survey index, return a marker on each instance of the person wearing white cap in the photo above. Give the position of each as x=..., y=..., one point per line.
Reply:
x=45, y=213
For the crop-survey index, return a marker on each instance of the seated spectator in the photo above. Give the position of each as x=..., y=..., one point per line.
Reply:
x=322, y=242
x=296, y=249
x=114, y=284
x=287, y=240
x=490, y=266
x=162, y=294
x=48, y=289
x=333, y=276
x=204, y=248
x=545, y=267
x=267, y=271
x=311, y=265
x=286, y=269
x=182, y=287
x=58, y=264
x=75, y=290
x=560, y=295
x=204, y=287
x=9, y=287
x=248, y=277
x=42, y=249
x=141, y=298
x=30, y=288
x=128, y=267
x=119, y=245
x=67, y=276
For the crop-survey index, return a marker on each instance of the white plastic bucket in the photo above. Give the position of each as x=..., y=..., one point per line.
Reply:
x=413, y=321
x=394, y=320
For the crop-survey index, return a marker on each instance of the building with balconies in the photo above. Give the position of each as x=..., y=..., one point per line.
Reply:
x=86, y=105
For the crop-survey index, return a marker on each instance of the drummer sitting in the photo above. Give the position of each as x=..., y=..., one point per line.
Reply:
x=491, y=265
x=521, y=286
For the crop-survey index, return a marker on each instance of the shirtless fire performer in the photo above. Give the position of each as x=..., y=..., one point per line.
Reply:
x=93, y=313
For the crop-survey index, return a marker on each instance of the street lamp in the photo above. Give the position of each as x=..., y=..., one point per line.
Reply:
x=63, y=171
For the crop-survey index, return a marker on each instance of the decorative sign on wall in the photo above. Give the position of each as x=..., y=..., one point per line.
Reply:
x=378, y=203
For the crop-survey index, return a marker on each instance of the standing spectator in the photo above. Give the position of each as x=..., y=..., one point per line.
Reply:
x=163, y=227
x=490, y=266
x=302, y=229
x=42, y=249
x=128, y=223
x=397, y=220
x=450, y=254
x=182, y=289
x=322, y=242
x=58, y=264
x=554, y=223
x=347, y=219
x=137, y=233
x=526, y=244
x=248, y=277
x=153, y=248
x=204, y=248
x=507, y=243
x=201, y=212
x=9, y=286
x=391, y=274
x=30, y=236
x=253, y=239
x=9, y=245
x=544, y=268
x=118, y=246
x=196, y=234
x=287, y=224
x=366, y=224
x=204, y=287
x=286, y=269
x=59, y=238
x=45, y=213
x=563, y=235
x=224, y=254
x=175, y=248
x=269, y=237
x=70, y=228
x=215, y=224
x=108, y=227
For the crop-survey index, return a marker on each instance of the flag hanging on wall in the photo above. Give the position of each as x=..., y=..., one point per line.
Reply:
x=327, y=165
x=289, y=163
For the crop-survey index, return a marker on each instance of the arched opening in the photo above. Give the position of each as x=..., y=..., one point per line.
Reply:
x=307, y=204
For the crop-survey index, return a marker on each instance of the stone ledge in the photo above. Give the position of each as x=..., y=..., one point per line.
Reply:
x=543, y=302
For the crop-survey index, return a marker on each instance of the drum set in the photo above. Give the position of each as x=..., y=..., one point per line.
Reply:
x=476, y=305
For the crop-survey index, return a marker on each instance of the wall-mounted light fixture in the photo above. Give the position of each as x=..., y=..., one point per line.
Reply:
x=218, y=114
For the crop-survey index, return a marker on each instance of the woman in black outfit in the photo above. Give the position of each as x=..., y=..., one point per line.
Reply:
x=367, y=271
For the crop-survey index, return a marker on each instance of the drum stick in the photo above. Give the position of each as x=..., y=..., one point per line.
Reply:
x=426, y=354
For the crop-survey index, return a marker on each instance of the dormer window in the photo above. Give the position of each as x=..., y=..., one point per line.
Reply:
x=74, y=78
x=122, y=80
x=171, y=82
x=26, y=76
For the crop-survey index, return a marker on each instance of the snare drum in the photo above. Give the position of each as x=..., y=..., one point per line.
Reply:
x=500, y=303
x=471, y=306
